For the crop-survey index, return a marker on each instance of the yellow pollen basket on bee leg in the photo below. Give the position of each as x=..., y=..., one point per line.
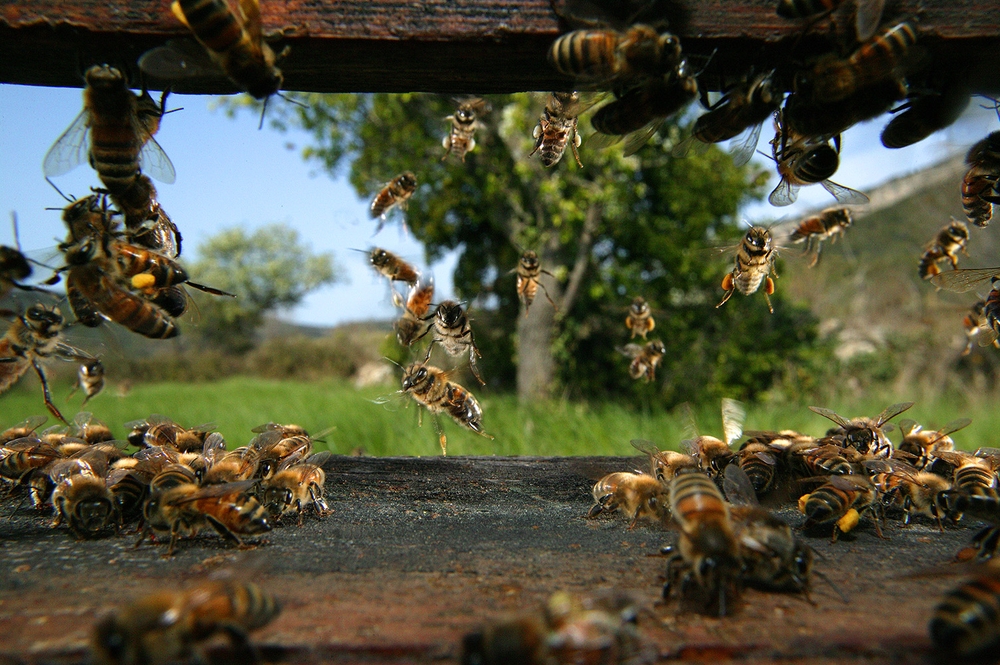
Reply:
x=849, y=520
x=143, y=281
x=802, y=503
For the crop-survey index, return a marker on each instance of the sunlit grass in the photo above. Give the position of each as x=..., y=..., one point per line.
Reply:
x=237, y=405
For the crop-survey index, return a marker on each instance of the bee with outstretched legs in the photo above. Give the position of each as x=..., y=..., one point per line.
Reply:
x=461, y=137
x=981, y=183
x=433, y=389
x=948, y=242
x=974, y=323
x=645, y=359
x=556, y=128
x=113, y=135
x=866, y=435
x=90, y=378
x=640, y=319
x=453, y=332
x=529, y=271
x=395, y=194
x=967, y=279
x=414, y=324
x=813, y=230
x=867, y=17
x=755, y=255
x=167, y=626
x=393, y=268
x=635, y=495
x=33, y=338
x=146, y=222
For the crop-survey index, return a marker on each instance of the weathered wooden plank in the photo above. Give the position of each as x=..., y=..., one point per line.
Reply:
x=443, y=45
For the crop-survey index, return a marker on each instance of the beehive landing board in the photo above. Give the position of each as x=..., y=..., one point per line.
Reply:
x=418, y=551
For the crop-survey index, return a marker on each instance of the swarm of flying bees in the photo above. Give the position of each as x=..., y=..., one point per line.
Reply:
x=180, y=482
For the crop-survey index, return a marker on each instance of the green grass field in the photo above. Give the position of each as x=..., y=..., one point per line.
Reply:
x=237, y=405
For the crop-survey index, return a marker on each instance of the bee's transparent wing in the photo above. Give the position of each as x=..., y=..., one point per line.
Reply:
x=70, y=150
x=966, y=279
x=640, y=137
x=733, y=415
x=893, y=411
x=869, y=15
x=784, y=194
x=827, y=413
x=738, y=488
x=155, y=163
x=179, y=59
x=743, y=146
x=845, y=194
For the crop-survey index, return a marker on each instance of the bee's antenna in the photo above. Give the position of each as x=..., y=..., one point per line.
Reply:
x=292, y=100
x=49, y=180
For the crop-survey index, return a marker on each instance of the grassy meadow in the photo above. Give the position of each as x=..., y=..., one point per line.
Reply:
x=556, y=427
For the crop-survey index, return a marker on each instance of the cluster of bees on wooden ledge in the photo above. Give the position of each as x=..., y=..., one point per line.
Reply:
x=180, y=482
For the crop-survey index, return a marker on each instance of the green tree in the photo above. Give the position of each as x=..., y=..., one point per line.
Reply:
x=267, y=270
x=619, y=227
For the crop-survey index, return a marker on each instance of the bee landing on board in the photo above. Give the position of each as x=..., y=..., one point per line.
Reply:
x=813, y=230
x=34, y=337
x=635, y=495
x=640, y=318
x=395, y=194
x=755, y=255
x=461, y=137
x=529, y=270
x=557, y=128
x=113, y=133
x=645, y=359
x=714, y=454
x=868, y=13
x=167, y=626
x=981, y=183
x=865, y=435
x=948, y=242
x=432, y=389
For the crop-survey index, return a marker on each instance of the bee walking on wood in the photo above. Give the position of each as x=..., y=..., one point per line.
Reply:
x=866, y=435
x=841, y=501
x=948, y=242
x=529, y=271
x=432, y=389
x=453, y=332
x=813, y=230
x=645, y=359
x=556, y=129
x=640, y=319
x=395, y=193
x=981, y=183
x=461, y=137
x=635, y=495
x=754, y=260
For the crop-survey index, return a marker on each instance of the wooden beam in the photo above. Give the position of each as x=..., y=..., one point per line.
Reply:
x=451, y=46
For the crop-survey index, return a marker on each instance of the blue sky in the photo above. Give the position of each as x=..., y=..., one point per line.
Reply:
x=230, y=174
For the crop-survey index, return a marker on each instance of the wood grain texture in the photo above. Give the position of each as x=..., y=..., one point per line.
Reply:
x=449, y=46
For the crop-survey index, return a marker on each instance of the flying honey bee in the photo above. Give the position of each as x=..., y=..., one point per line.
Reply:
x=840, y=501
x=640, y=319
x=393, y=268
x=14, y=266
x=924, y=115
x=868, y=13
x=453, y=332
x=981, y=183
x=866, y=435
x=33, y=338
x=413, y=324
x=964, y=624
x=433, y=390
x=813, y=230
x=111, y=134
x=556, y=128
x=974, y=323
x=297, y=484
x=529, y=270
x=167, y=626
x=461, y=137
x=832, y=78
x=90, y=377
x=645, y=359
x=967, y=279
x=664, y=464
x=81, y=497
x=635, y=495
x=395, y=193
x=234, y=44
x=755, y=255
x=948, y=242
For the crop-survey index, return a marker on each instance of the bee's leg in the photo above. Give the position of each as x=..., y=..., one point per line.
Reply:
x=442, y=439
x=595, y=510
x=240, y=640
x=46, y=393
x=547, y=297
x=728, y=285
x=224, y=531
x=427, y=356
x=473, y=352
x=574, y=144
x=768, y=290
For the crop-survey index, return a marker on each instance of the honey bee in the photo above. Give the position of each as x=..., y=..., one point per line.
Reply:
x=925, y=444
x=975, y=323
x=275, y=444
x=916, y=492
x=22, y=456
x=234, y=43
x=33, y=338
x=713, y=454
x=925, y=115
x=160, y=431
x=640, y=319
x=394, y=269
x=971, y=471
x=806, y=162
x=81, y=497
x=758, y=461
x=166, y=626
x=964, y=623
x=453, y=332
x=460, y=139
x=146, y=222
x=813, y=230
x=90, y=377
x=645, y=359
x=841, y=500
x=981, y=503
x=90, y=429
x=754, y=259
x=635, y=495
x=528, y=272
x=227, y=466
x=113, y=133
x=968, y=279
x=556, y=129
x=832, y=78
x=950, y=240
x=866, y=435
x=395, y=193
x=14, y=266
x=869, y=12
x=431, y=388
x=982, y=178
x=664, y=464
x=638, y=54
x=297, y=484
x=24, y=428
x=638, y=113
x=413, y=324
x=707, y=551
